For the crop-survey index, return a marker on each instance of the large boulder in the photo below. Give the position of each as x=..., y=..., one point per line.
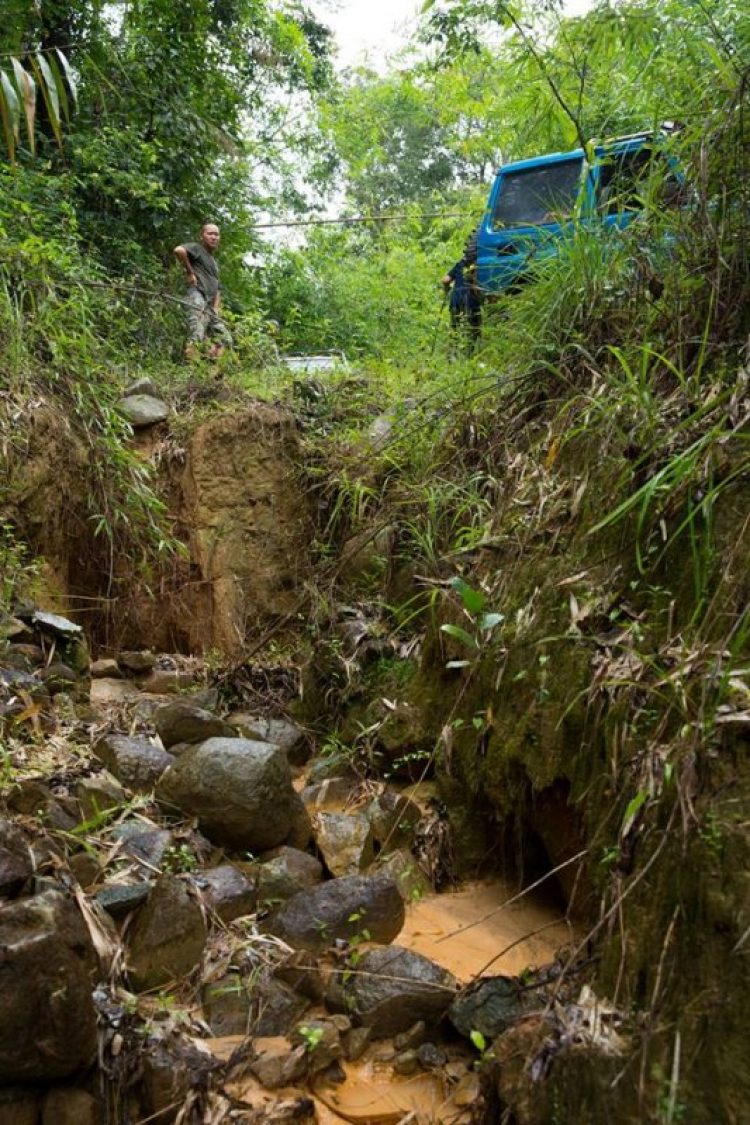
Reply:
x=240, y=791
x=186, y=721
x=390, y=989
x=227, y=891
x=47, y=968
x=340, y=909
x=136, y=762
x=168, y=938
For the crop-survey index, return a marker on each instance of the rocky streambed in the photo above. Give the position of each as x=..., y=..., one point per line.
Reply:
x=203, y=920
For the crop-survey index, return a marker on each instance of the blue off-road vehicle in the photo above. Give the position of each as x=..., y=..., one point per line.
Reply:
x=535, y=204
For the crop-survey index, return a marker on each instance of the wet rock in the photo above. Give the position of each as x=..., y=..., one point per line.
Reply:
x=185, y=721
x=356, y=1041
x=468, y=1090
x=168, y=938
x=47, y=1017
x=275, y=1063
x=276, y=1006
x=33, y=655
x=285, y=1111
x=146, y=845
x=345, y=842
x=137, y=662
x=58, y=677
x=412, y=1037
x=98, y=793
x=85, y=868
x=16, y=865
x=402, y=866
x=121, y=899
x=394, y=820
x=240, y=791
x=340, y=909
x=391, y=987
x=282, y=732
x=135, y=761
x=227, y=892
x=285, y=873
x=490, y=1006
x=19, y=1105
x=406, y=1063
x=322, y=1040
x=13, y=681
x=143, y=410
x=431, y=1057
x=170, y=1072
x=106, y=669
x=227, y=1006
x=68, y=1106
x=302, y=972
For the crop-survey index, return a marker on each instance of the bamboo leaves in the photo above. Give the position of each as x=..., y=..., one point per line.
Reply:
x=48, y=72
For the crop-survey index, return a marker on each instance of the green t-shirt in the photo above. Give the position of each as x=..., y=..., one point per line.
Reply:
x=205, y=267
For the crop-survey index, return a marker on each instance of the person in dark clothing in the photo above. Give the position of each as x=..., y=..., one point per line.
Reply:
x=198, y=259
x=464, y=305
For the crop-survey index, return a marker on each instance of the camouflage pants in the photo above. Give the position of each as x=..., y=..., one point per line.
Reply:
x=203, y=321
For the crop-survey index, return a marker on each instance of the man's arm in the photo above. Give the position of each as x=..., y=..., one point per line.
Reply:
x=182, y=256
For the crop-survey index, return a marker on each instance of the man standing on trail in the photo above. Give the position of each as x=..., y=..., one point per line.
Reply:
x=198, y=259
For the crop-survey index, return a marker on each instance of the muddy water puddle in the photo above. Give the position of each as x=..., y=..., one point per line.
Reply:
x=479, y=931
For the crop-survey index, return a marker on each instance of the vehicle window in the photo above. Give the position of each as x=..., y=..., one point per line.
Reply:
x=626, y=180
x=538, y=195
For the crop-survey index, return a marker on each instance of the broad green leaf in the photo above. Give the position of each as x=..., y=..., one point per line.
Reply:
x=489, y=620
x=27, y=89
x=10, y=111
x=70, y=77
x=632, y=811
x=46, y=81
x=460, y=635
x=472, y=599
x=478, y=1040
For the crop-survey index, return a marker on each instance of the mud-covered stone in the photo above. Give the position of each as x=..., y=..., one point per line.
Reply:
x=345, y=842
x=323, y=1040
x=227, y=891
x=16, y=867
x=490, y=1006
x=136, y=762
x=394, y=819
x=47, y=1017
x=240, y=791
x=276, y=1063
x=392, y=988
x=58, y=678
x=340, y=909
x=105, y=669
x=227, y=1006
x=185, y=721
x=168, y=937
x=285, y=873
x=170, y=1072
